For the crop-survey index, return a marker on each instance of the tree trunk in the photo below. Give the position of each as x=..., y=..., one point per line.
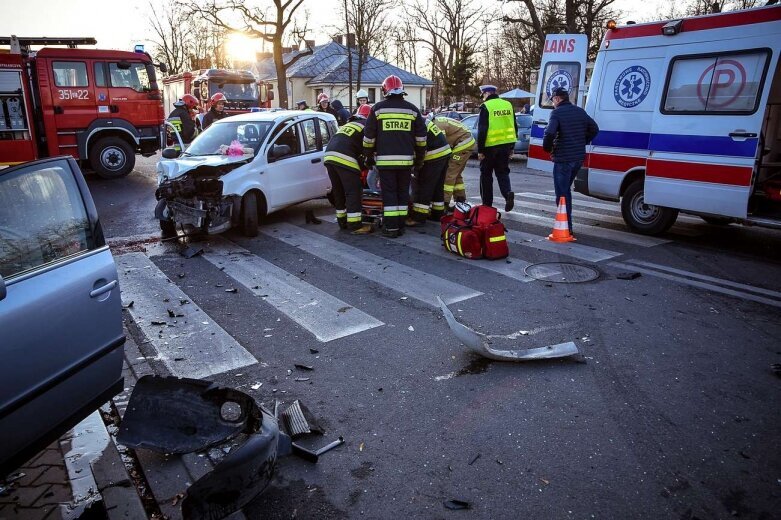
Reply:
x=281, y=73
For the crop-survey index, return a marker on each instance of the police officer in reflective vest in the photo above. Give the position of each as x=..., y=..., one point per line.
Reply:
x=395, y=140
x=428, y=198
x=343, y=159
x=496, y=136
x=461, y=142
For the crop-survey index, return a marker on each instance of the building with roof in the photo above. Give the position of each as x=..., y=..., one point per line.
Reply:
x=326, y=70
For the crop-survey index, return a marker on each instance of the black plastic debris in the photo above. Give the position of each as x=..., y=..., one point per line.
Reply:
x=314, y=351
x=303, y=367
x=174, y=314
x=628, y=276
x=311, y=218
x=456, y=504
x=299, y=420
x=129, y=305
x=158, y=322
x=475, y=459
x=173, y=415
x=191, y=251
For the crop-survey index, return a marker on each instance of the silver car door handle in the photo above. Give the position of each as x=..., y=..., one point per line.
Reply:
x=101, y=290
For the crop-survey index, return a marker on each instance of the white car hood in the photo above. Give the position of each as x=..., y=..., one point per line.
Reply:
x=168, y=169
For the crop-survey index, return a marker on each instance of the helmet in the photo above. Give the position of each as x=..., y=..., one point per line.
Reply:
x=190, y=101
x=219, y=96
x=322, y=97
x=364, y=110
x=361, y=94
x=392, y=85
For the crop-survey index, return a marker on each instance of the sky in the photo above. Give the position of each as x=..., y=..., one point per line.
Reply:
x=120, y=24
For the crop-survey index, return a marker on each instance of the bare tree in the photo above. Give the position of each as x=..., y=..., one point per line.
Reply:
x=368, y=21
x=256, y=22
x=447, y=29
x=171, y=40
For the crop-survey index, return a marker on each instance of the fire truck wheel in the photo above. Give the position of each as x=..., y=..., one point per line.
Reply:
x=643, y=218
x=249, y=214
x=112, y=157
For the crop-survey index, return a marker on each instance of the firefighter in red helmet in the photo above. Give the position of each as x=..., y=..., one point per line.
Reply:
x=181, y=118
x=394, y=139
x=217, y=110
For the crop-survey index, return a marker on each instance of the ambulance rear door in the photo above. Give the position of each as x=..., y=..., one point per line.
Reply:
x=563, y=65
x=704, y=139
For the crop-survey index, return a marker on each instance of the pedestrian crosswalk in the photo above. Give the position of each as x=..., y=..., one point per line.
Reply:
x=175, y=326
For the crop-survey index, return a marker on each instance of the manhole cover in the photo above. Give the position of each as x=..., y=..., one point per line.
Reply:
x=561, y=272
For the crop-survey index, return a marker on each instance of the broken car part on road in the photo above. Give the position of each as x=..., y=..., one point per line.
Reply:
x=480, y=344
x=180, y=415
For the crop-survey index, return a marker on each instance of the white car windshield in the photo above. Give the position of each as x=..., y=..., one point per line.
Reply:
x=248, y=134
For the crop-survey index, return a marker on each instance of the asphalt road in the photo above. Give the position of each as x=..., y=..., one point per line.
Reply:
x=670, y=411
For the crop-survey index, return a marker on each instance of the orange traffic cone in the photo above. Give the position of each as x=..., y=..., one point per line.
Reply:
x=560, y=225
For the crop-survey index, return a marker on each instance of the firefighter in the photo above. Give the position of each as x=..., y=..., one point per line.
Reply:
x=362, y=98
x=217, y=110
x=496, y=135
x=324, y=104
x=343, y=159
x=181, y=118
x=461, y=142
x=395, y=140
x=428, y=197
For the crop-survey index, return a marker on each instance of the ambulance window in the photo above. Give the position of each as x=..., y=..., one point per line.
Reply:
x=718, y=84
x=559, y=75
x=70, y=73
x=100, y=74
x=135, y=76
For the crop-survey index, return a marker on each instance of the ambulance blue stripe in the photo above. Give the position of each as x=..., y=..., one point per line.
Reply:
x=698, y=144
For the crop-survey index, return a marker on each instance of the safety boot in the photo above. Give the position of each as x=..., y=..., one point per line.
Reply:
x=342, y=221
x=509, y=200
x=436, y=215
x=391, y=233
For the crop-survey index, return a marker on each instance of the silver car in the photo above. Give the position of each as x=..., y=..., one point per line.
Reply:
x=61, y=335
x=524, y=122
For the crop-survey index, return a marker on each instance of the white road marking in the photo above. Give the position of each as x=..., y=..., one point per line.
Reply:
x=698, y=284
x=190, y=345
x=706, y=278
x=598, y=217
x=433, y=246
x=325, y=316
x=393, y=275
x=589, y=203
x=590, y=230
x=582, y=252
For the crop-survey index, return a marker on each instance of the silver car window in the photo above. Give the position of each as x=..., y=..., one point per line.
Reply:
x=310, y=137
x=42, y=218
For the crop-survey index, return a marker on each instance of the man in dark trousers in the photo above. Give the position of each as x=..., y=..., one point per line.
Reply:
x=496, y=135
x=395, y=140
x=428, y=194
x=568, y=132
x=343, y=159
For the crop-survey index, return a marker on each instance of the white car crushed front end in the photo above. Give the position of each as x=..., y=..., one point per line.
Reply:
x=191, y=190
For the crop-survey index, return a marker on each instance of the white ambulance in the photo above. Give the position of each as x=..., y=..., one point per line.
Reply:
x=689, y=114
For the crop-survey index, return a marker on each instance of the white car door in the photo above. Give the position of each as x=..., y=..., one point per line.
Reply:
x=288, y=174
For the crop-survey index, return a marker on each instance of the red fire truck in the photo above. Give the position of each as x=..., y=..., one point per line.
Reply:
x=100, y=106
x=240, y=87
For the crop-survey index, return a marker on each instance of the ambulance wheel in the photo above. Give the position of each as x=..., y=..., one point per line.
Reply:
x=112, y=157
x=643, y=218
x=249, y=214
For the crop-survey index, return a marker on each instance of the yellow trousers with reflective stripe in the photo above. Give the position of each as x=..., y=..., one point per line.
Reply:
x=454, y=180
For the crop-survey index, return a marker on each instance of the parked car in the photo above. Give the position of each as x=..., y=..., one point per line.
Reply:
x=60, y=310
x=524, y=131
x=243, y=168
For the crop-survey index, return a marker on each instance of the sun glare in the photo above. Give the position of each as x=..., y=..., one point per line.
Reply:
x=241, y=48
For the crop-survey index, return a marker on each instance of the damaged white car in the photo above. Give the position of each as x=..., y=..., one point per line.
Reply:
x=242, y=168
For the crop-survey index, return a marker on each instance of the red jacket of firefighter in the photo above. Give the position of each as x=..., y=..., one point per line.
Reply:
x=396, y=132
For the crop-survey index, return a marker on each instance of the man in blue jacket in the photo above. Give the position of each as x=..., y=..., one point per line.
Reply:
x=568, y=132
